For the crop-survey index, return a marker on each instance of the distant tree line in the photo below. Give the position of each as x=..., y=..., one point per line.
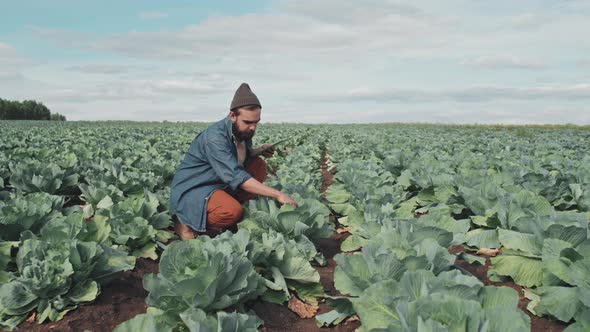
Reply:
x=27, y=110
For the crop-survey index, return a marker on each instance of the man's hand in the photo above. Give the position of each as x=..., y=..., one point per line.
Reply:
x=267, y=150
x=255, y=187
x=285, y=199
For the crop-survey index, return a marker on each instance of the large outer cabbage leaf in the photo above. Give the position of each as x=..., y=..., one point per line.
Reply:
x=209, y=275
x=450, y=301
x=31, y=176
x=30, y=212
x=193, y=320
x=55, y=276
x=136, y=225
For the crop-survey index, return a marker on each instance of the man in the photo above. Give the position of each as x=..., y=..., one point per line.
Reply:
x=221, y=170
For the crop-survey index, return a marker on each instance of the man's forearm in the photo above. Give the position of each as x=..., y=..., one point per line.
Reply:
x=255, y=187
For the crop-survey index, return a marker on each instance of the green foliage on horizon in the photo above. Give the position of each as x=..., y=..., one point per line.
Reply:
x=27, y=110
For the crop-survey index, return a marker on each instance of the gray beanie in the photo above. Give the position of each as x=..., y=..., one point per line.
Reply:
x=244, y=97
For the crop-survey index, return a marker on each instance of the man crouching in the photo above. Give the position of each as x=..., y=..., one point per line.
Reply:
x=221, y=170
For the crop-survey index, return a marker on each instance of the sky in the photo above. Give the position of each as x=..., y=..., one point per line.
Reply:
x=311, y=61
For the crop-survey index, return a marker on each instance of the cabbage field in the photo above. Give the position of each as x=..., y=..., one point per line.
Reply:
x=398, y=228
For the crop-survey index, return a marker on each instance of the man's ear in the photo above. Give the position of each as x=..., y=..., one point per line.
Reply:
x=233, y=116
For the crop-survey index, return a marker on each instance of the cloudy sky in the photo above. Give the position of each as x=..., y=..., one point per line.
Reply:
x=332, y=61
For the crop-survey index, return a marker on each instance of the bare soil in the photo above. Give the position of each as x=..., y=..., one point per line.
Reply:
x=278, y=317
x=124, y=298
x=540, y=324
x=327, y=177
x=119, y=301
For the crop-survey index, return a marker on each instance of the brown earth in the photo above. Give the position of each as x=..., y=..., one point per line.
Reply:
x=125, y=297
x=327, y=177
x=540, y=324
x=279, y=318
x=332, y=246
x=119, y=301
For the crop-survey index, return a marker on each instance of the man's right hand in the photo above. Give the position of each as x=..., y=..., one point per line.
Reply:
x=285, y=199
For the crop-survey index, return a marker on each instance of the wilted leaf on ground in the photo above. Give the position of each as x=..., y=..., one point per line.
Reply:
x=488, y=251
x=302, y=309
x=343, y=230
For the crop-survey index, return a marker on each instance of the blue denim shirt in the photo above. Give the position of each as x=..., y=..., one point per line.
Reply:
x=210, y=164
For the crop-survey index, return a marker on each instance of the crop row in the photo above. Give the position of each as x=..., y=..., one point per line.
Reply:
x=490, y=194
x=270, y=257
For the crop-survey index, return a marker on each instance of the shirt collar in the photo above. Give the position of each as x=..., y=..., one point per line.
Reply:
x=228, y=128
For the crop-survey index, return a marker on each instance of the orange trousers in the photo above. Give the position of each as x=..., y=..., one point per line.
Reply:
x=225, y=210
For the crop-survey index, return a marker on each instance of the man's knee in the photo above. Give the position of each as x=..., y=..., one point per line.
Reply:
x=234, y=211
x=257, y=168
x=225, y=215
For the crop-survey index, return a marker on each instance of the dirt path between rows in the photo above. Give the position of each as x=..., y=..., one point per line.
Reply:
x=118, y=301
x=330, y=247
x=278, y=318
x=124, y=298
x=540, y=324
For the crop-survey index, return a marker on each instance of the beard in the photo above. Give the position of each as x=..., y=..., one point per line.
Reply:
x=242, y=135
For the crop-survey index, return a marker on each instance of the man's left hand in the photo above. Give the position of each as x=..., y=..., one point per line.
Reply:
x=267, y=150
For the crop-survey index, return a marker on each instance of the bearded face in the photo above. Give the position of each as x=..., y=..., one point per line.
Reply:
x=244, y=122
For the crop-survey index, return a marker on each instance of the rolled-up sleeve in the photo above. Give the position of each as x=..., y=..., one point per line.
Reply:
x=225, y=164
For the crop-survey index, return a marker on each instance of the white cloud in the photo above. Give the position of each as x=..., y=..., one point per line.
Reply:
x=11, y=64
x=9, y=56
x=403, y=58
x=62, y=37
x=530, y=20
x=308, y=28
x=577, y=5
x=6, y=50
x=152, y=15
x=504, y=61
x=346, y=11
x=183, y=86
x=131, y=90
x=470, y=94
x=99, y=69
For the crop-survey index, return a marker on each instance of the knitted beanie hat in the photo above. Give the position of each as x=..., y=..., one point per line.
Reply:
x=244, y=97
